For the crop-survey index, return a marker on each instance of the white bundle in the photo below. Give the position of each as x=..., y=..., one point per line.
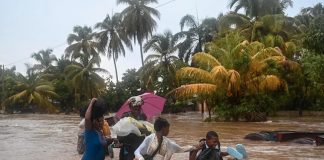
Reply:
x=123, y=127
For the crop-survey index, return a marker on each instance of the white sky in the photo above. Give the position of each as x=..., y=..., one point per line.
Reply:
x=28, y=26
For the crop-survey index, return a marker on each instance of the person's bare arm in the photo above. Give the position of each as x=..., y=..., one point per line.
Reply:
x=193, y=153
x=223, y=154
x=87, y=118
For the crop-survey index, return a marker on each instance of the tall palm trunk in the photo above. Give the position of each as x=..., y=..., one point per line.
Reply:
x=199, y=45
x=114, y=59
x=141, y=48
x=253, y=34
x=203, y=107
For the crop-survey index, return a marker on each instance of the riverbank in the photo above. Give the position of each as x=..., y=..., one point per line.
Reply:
x=296, y=113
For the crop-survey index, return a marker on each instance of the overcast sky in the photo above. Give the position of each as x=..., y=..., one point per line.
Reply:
x=28, y=26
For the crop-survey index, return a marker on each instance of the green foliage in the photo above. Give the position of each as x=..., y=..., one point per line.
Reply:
x=258, y=8
x=249, y=69
x=66, y=99
x=45, y=58
x=138, y=20
x=313, y=71
x=160, y=67
x=116, y=94
x=314, y=38
x=82, y=45
x=223, y=48
x=250, y=108
x=176, y=107
x=196, y=36
x=131, y=83
x=33, y=92
x=112, y=38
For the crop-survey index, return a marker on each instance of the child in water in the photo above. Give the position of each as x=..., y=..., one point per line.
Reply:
x=209, y=149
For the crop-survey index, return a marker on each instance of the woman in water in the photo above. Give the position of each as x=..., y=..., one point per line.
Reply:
x=94, y=139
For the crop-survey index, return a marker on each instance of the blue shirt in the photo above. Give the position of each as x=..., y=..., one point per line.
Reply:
x=94, y=145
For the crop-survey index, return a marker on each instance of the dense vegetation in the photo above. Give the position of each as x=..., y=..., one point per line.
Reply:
x=242, y=66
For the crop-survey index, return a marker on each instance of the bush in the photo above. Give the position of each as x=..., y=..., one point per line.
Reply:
x=177, y=107
x=250, y=108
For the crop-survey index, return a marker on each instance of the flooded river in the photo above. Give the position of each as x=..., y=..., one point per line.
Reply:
x=53, y=137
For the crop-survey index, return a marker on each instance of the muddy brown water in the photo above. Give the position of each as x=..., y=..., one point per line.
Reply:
x=53, y=137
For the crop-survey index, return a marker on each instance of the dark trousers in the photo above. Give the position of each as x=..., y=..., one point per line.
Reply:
x=130, y=143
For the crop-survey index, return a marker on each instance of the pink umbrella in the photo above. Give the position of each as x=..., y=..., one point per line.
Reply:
x=153, y=105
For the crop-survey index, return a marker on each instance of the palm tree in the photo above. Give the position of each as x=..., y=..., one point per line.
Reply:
x=303, y=21
x=32, y=90
x=210, y=80
x=113, y=38
x=138, y=20
x=307, y=15
x=196, y=36
x=259, y=8
x=45, y=59
x=161, y=64
x=272, y=30
x=82, y=44
x=315, y=11
x=84, y=78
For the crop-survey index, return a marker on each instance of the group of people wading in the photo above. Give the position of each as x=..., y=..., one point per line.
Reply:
x=95, y=138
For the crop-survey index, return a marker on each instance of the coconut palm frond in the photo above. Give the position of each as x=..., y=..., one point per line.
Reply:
x=256, y=67
x=219, y=73
x=21, y=95
x=205, y=61
x=100, y=70
x=236, y=20
x=192, y=90
x=234, y=82
x=271, y=83
x=266, y=53
x=44, y=88
x=290, y=65
x=253, y=84
x=255, y=47
x=195, y=74
x=188, y=20
x=290, y=49
x=265, y=83
x=21, y=85
x=274, y=58
x=43, y=102
x=237, y=51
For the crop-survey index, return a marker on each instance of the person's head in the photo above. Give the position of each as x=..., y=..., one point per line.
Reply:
x=212, y=139
x=135, y=104
x=97, y=117
x=83, y=110
x=162, y=125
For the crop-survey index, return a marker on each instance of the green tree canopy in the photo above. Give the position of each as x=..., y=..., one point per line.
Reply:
x=138, y=20
x=112, y=38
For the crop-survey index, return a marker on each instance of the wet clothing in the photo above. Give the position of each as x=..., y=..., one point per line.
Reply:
x=168, y=147
x=207, y=153
x=94, y=145
x=106, y=129
x=80, y=144
x=131, y=141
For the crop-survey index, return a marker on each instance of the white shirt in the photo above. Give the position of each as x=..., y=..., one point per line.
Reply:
x=168, y=147
x=81, y=126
